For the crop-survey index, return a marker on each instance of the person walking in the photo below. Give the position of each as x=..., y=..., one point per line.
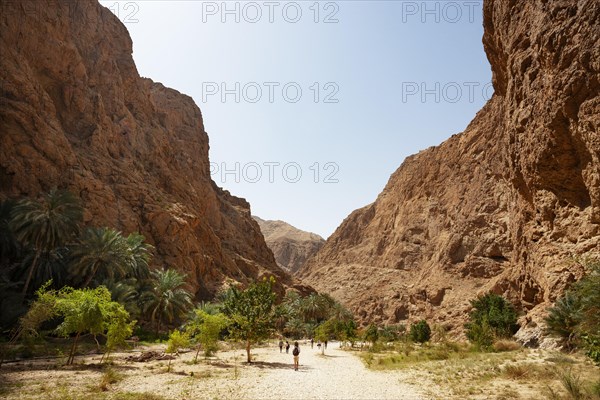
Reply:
x=280, y=345
x=296, y=354
x=312, y=342
x=287, y=347
x=325, y=344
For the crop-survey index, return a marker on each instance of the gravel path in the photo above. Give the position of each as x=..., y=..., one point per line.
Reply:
x=336, y=375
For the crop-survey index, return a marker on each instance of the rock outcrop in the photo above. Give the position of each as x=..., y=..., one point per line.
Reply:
x=290, y=245
x=75, y=114
x=506, y=205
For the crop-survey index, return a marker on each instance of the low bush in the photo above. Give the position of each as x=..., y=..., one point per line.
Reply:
x=505, y=345
x=516, y=371
x=420, y=332
x=493, y=317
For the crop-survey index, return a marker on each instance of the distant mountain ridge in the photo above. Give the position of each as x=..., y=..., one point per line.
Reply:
x=290, y=246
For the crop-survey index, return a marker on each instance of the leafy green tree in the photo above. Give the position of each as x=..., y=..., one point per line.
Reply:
x=350, y=332
x=251, y=312
x=177, y=341
x=80, y=311
x=46, y=225
x=371, y=333
x=323, y=333
x=420, y=332
x=206, y=329
x=391, y=333
x=492, y=317
x=168, y=299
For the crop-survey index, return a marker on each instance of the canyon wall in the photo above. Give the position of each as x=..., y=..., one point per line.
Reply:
x=506, y=206
x=75, y=114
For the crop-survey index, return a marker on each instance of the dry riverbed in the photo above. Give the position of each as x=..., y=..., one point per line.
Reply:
x=338, y=374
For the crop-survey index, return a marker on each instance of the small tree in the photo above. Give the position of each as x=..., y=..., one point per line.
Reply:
x=177, y=340
x=372, y=334
x=251, y=313
x=420, y=332
x=82, y=311
x=350, y=332
x=205, y=329
x=391, y=333
x=492, y=317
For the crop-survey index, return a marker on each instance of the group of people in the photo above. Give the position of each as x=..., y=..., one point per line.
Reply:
x=295, y=352
x=312, y=342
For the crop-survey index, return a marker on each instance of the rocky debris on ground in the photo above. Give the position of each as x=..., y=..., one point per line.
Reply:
x=150, y=356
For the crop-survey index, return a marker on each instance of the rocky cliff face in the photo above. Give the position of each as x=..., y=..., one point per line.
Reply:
x=291, y=246
x=75, y=114
x=505, y=205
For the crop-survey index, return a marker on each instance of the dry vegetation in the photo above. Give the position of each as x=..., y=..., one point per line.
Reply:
x=442, y=371
x=511, y=372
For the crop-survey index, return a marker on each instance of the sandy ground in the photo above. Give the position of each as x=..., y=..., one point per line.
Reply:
x=336, y=375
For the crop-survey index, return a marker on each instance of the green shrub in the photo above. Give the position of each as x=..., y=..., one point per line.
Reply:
x=391, y=333
x=563, y=318
x=592, y=346
x=420, y=332
x=371, y=333
x=493, y=317
x=575, y=316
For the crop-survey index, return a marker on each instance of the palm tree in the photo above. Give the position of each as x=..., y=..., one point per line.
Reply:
x=339, y=313
x=45, y=225
x=125, y=293
x=167, y=300
x=101, y=251
x=51, y=265
x=139, y=252
x=295, y=328
x=314, y=307
x=9, y=247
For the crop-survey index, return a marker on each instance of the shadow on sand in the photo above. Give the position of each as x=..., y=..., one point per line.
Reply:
x=274, y=365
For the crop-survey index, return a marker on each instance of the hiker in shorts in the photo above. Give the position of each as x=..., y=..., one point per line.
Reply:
x=280, y=345
x=296, y=354
x=287, y=347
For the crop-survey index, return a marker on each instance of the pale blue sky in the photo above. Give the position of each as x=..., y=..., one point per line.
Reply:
x=378, y=56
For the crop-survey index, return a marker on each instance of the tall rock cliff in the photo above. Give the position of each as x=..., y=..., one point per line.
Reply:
x=505, y=205
x=75, y=114
x=290, y=245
